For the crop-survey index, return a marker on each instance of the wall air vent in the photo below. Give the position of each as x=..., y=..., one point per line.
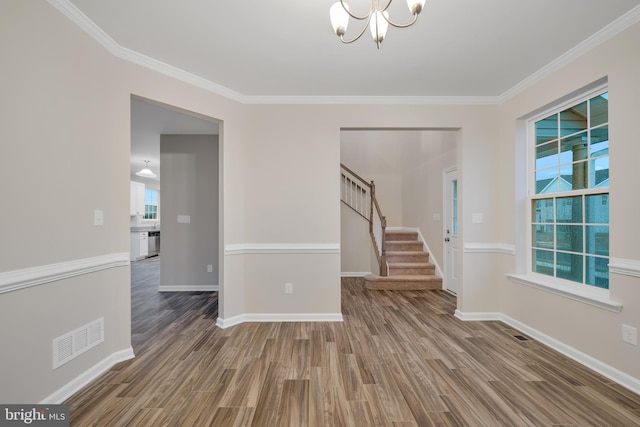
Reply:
x=74, y=343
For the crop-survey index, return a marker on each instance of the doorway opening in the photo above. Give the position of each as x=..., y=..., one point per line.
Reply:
x=182, y=208
x=407, y=167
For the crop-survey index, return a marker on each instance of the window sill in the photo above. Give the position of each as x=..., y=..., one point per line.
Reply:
x=595, y=297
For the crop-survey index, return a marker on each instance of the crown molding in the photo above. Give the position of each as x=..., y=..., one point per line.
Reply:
x=374, y=100
x=75, y=15
x=606, y=33
x=81, y=20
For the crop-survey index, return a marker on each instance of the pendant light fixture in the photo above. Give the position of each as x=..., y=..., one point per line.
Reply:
x=377, y=19
x=146, y=172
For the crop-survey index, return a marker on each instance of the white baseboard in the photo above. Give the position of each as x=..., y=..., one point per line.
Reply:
x=477, y=317
x=190, y=288
x=432, y=259
x=86, y=377
x=278, y=317
x=354, y=273
x=590, y=362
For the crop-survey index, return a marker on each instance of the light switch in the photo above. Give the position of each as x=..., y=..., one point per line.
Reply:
x=98, y=217
x=476, y=218
x=184, y=219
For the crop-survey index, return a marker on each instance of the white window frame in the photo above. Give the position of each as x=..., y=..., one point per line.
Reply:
x=581, y=292
x=157, y=218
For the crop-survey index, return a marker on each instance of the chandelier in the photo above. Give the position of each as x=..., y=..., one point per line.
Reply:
x=377, y=19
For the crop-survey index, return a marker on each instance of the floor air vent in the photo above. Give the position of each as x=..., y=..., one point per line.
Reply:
x=516, y=334
x=74, y=343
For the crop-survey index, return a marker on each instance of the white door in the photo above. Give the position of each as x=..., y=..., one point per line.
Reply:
x=450, y=223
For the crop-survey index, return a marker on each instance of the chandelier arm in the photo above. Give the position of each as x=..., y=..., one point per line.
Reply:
x=364, y=28
x=393, y=24
x=359, y=18
x=386, y=7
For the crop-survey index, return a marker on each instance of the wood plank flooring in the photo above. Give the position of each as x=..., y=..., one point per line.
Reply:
x=400, y=358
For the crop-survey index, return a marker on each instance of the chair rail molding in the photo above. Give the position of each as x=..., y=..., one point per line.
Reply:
x=282, y=248
x=39, y=275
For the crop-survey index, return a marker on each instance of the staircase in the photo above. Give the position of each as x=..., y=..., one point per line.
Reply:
x=408, y=265
x=403, y=264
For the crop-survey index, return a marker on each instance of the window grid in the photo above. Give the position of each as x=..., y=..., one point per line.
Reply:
x=150, y=204
x=573, y=248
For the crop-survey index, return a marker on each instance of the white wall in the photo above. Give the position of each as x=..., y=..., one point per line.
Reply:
x=592, y=331
x=189, y=166
x=422, y=186
x=355, y=244
x=279, y=186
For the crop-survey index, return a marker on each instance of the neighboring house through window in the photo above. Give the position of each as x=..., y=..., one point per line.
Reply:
x=150, y=204
x=569, y=196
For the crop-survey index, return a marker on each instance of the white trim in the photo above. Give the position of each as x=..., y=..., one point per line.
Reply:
x=90, y=27
x=355, y=273
x=426, y=248
x=282, y=248
x=477, y=317
x=627, y=267
x=278, y=317
x=86, y=377
x=377, y=100
x=586, y=294
x=622, y=23
x=490, y=248
x=189, y=288
x=590, y=362
x=39, y=275
x=584, y=359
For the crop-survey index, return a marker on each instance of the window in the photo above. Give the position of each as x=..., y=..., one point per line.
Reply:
x=570, y=194
x=455, y=207
x=150, y=204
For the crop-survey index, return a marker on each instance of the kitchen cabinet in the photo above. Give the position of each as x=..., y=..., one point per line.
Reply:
x=139, y=245
x=137, y=198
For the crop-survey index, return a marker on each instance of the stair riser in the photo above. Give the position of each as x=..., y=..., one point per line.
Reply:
x=418, y=257
x=389, y=235
x=404, y=271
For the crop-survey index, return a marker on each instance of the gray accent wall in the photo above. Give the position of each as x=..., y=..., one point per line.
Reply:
x=189, y=186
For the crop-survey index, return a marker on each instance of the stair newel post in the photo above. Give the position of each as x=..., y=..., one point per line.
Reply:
x=383, y=255
x=371, y=199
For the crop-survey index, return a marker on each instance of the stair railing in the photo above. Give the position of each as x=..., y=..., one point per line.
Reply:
x=360, y=196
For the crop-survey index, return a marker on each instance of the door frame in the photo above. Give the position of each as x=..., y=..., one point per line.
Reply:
x=447, y=213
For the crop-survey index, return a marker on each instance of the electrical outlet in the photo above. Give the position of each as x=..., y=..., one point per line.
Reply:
x=288, y=288
x=630, y=334
x=209, y=268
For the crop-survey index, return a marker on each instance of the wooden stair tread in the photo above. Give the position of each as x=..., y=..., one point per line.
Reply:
x=411, y=264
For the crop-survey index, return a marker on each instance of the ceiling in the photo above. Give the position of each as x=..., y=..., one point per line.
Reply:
x=287, y=48
x=149, y=121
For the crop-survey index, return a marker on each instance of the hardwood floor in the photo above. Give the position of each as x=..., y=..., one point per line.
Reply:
x=400, y=358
